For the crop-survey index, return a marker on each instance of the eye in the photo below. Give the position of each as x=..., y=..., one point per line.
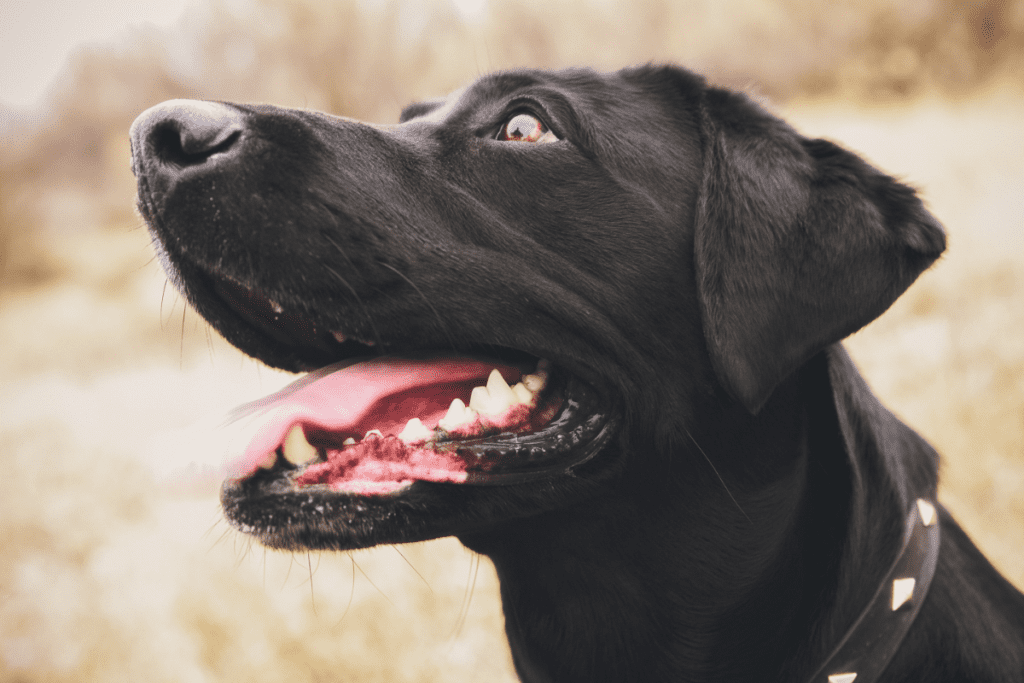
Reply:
x=525, y=128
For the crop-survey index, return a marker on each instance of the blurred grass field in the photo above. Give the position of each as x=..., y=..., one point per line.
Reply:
x=115, y=568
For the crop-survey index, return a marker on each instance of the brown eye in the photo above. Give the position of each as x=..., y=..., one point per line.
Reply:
x=525, y=128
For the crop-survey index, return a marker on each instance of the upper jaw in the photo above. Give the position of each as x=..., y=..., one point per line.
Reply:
x=572, y=422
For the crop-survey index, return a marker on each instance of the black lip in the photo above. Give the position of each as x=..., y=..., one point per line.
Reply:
x=259, y=311
x=299, y=334
x=570, y=439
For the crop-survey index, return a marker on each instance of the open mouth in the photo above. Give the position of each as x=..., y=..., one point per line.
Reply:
x=373, y=426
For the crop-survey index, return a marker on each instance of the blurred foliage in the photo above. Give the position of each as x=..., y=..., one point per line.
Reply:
x=68, y=169
x=97, y=372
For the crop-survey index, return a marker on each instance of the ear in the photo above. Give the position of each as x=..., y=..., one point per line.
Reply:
x=415, y=109
x=798, y=243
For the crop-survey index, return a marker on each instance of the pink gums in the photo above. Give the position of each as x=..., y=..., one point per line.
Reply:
x=382, y=464
x=378, y=465
x=381, y=394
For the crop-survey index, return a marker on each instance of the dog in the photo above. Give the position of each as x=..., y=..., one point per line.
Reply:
x=588, y=324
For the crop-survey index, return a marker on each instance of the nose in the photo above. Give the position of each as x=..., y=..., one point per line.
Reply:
x=181, y=134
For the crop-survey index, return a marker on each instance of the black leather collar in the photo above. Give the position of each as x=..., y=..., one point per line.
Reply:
x=871, y=642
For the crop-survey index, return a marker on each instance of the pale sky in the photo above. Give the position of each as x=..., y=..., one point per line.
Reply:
x=38, y=36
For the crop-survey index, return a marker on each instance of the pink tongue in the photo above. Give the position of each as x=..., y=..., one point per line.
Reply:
x=382, y=394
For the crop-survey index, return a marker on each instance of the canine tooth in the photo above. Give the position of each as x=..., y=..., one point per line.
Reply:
x=373, y=432
x=349, y=442
x=523, y=395
x=415, y=431
x=296, y=449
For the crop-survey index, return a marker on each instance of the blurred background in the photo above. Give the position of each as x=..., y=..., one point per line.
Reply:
x=114, y=564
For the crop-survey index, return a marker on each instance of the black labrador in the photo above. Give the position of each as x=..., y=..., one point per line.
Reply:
x=676, y=468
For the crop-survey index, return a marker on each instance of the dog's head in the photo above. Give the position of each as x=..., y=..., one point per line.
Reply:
x=625, y=250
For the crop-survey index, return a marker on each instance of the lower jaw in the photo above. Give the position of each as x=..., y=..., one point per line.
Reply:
x=281, y=516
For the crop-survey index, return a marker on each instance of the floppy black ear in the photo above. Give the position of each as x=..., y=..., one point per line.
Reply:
x=798, y=243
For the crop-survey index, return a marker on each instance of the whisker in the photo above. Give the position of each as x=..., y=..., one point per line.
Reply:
x=181, y=343
x=213, y=525
x=312, y=596
x=209, y=342
x=440, y=320
x=367, y=576
x=402, y=555
x=351, y=592
x=163, y=295
x=359, y=301
x=366, y=310
x=715, y=470
x=220, y=539
x=288, y=573
x=467, y=597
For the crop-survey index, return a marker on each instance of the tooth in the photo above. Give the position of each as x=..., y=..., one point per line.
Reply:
x=338, y=336
x=373, y=432
x=535, y=382
x=296, y=449
x=495, y=398
x=349, y=442
x=480, y=400
x=454, y=415
x=501, y=394
x=456, y=408
x=415, y=431
x=458, y=414
x=523, y=395
x=268, y=462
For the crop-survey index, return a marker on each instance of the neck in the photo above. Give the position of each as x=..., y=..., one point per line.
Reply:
x=687, y=560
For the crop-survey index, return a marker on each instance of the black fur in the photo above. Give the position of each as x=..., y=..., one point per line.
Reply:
x=692, y=259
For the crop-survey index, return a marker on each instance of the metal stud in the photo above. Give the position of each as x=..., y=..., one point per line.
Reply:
x=842, y=678
x=927, y=511
x=902, y=592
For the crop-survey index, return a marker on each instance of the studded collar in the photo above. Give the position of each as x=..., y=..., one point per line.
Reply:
x=871, y=642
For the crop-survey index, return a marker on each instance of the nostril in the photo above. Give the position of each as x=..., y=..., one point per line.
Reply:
x=187, y=145
x=187, y=132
